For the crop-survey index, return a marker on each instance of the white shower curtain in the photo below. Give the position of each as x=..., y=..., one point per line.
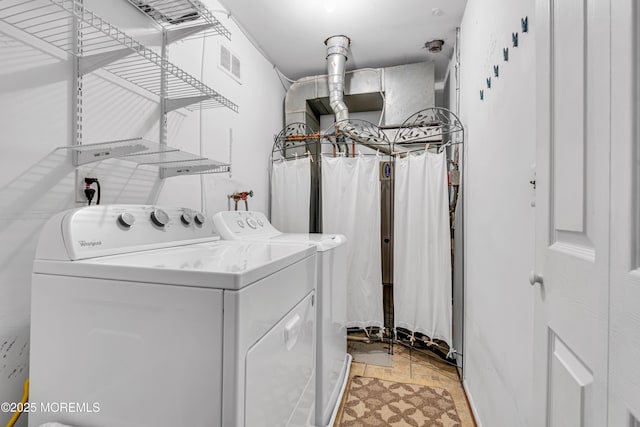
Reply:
x=422, y=246
x=351, y=206
x=290, y=195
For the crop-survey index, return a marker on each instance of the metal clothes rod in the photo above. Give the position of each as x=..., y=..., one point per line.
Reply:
x=352, y=156
x=440, y=147
x=294, y=157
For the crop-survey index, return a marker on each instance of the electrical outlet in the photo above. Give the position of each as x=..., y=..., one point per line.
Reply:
x=78, y=188
x=80, y=185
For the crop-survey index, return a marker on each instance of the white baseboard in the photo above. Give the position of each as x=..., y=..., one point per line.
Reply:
x=472, y=404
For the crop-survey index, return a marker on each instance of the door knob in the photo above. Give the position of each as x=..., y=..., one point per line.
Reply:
x=535, y=278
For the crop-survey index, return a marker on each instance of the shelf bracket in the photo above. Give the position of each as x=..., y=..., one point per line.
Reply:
x=185, y=169
x=84, y=156
x=91, y=63
x=175, y=103
x=181, y=33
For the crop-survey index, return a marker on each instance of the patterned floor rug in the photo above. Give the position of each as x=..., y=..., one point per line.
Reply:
x=374, y=402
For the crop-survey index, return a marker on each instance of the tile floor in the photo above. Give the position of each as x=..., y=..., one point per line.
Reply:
x=413, y=366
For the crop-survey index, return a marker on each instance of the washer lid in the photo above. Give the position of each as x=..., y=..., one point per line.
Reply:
x=219, y=264
x=323, y=242
x=254, y=226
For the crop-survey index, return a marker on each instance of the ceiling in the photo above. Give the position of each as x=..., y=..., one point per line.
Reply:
x=383, y=33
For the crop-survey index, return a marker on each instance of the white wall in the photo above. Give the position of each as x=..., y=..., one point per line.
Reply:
x=499, y=221
x=34, y=118
x=36, y=182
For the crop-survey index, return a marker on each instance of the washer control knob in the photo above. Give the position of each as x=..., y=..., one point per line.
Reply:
x=159, y=217
x=260, y=223
x=199, y=218
x=240, y=223
x=252, y=223
x=186, y=218
x=126, y=219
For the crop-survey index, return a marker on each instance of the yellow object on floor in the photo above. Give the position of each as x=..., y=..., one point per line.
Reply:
x=25, y=398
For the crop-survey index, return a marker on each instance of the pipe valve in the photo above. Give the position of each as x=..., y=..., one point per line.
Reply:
x=241, y=195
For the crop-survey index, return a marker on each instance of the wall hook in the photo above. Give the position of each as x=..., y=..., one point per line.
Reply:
x=524, y=22
x=488, y=82
x=514, y=38
x=505, y=54
x=481, y=95
x=496, y=71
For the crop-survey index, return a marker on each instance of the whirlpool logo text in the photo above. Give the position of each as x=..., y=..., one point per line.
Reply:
x=90, y=244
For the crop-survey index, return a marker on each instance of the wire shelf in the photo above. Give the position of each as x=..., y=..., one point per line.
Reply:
x=170, y=161
x=172, y=14
x=102, y=45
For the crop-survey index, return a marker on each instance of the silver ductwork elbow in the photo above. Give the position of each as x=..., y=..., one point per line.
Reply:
x=337, y=48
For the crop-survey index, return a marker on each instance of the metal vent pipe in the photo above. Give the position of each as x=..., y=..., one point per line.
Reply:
x=337, y=48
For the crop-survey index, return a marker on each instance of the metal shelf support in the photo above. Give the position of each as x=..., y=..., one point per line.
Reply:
x=90, y=63
x=175, y=103
x=182, y=33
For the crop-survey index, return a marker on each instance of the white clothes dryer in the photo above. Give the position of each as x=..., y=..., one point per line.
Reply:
x=332, y=360
x=142, y=317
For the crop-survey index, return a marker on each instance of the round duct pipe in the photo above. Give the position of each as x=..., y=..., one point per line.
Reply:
x=337, y=52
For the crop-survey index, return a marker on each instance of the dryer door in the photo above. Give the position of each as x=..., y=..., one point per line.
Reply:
x=280, y=385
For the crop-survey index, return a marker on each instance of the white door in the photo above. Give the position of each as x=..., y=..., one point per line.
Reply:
x=624, y=340
x=572, y=213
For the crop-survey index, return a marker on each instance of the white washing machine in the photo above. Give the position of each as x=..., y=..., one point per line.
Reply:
x=332, y=360
x=143, y=317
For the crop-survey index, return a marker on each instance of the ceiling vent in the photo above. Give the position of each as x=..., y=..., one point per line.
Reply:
x=229, y=62
x=434, y=46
